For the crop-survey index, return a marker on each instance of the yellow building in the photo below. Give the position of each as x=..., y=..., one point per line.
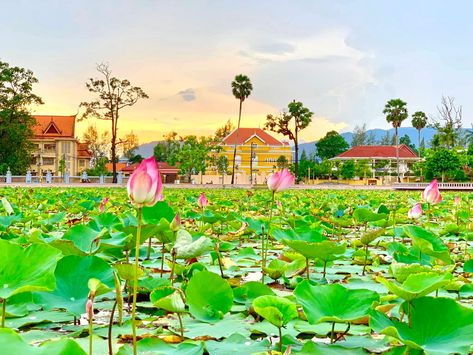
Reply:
x=256, y=143
x=53, y=141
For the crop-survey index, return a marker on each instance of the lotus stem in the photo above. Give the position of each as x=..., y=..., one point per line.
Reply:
x=180, y=325
x=307, y=268
x=280, y=340
x=173, y=254
x=343, y=334
x=332, y=333
x=4, y=311
x=148, y=252
x=324, y=273
x=409, y=310
x=110, y=325
x=90, y=336
x=135, y=278
x=217, y=250
x=163, y=250
x=366, y=259
x=265, y=243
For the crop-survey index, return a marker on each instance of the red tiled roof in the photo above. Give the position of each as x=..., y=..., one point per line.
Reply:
x=83, y=151
x=245, y=134
x=54, y=126
x=378, y=151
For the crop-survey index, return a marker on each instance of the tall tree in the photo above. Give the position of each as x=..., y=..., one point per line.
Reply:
x=99, y=143
x=302, y=117
x=16, y=99
x=359, y=135
x=223, y=131
x=396, y=112
x=241, y=89
x=112, y=95
x=419, y=121
x=168, y=150
x=449, y=122
x=193, y=155
x=331, y=145
x=130, y=143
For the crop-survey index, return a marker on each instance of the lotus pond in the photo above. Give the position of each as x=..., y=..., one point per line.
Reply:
x=343, y=272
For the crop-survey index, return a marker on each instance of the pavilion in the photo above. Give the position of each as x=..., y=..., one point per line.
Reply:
x=381, y=157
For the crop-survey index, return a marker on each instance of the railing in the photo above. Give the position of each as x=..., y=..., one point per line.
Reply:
x=441, y=185
x=23, y=179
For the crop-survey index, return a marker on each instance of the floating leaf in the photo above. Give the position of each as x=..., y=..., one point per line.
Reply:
x=333, y=303
x=209, y=296
x=276, y=310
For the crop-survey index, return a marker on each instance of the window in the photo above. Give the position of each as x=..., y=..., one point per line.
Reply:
x=50, y=147
x=81, y=162
x=48, y=161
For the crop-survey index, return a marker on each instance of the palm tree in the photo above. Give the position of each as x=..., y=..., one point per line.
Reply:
x=241, y=89
x=396, y=112
x=419, y=121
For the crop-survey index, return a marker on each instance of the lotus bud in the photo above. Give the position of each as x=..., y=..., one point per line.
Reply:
x=89, y=309
x=102, y=204
x=457, y=201
x=144, y=186
x=176, y=223
x=281, y=180
x=431, y=194
x=202, y=200
x=415, y=212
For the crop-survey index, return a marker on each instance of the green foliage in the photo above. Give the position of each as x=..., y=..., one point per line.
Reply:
x=333, y=303
x=26, y=269
x=438, y=326
x=442, y=163
x=276, y=310
x=168, y=149
x=209, y=297
x=16, y=100
x=331, y=145
x=348, y=169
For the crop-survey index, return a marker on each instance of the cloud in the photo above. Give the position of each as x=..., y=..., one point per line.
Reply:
x=187, y=94
x=278, y=48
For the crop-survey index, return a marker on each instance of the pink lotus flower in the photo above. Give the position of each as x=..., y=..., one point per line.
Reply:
x=144, y=186
x=281, y=180
x=102, y=204
x=431, y=193
x=202, y=200
x=415, y=212
x=457, y=201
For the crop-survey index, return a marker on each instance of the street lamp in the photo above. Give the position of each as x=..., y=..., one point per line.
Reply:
x=38, y=164
x=252, y=157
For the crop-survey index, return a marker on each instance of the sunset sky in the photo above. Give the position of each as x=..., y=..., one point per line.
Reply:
x=343, y=59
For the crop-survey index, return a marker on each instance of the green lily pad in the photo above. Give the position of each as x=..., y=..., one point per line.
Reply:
x=158, y=347
x=438, y=326
x=428, y=243
x=186, y=248
x=168, y=298
x=325, y=250
x=72, y=277
x=26, y=269
x=416, y=285
x=250, y=290
x=209, y=296
x=236, y=344
x=333, y=303
x=276, y=310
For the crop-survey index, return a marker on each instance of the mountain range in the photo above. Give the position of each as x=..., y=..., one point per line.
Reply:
x=146, y=150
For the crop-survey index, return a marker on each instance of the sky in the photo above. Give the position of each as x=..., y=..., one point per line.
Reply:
x=343, y=59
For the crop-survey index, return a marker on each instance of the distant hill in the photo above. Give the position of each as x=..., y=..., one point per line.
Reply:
x=146, y=150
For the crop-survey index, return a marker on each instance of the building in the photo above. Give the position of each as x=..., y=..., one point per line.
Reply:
x=54, y=140
x=256, y=150
x=381, y=157
x=169, y=173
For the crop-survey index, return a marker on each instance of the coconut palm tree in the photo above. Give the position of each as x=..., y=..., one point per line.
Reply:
x=241, y=89
x=396, y=112
x=419, y=121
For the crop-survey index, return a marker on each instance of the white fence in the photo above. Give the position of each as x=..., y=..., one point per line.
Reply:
x=441, y=185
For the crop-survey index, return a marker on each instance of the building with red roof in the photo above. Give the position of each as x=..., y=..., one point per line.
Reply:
x=54, y=140
x=381, y=157
x=257, y=151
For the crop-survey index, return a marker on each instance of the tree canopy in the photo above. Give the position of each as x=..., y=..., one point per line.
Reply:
x=16, y=122
x=331, y=145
